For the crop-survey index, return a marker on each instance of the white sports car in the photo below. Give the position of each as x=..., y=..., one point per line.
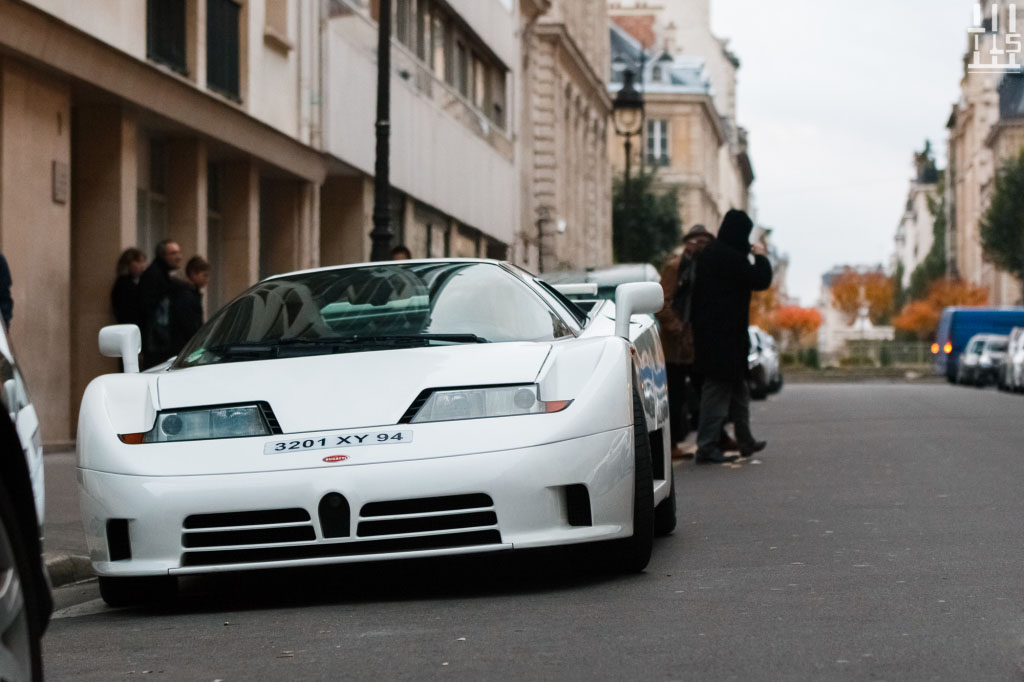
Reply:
x=379, y=411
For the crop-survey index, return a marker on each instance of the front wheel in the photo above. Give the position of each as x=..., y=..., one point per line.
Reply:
x=632, y=554
x=134, y=591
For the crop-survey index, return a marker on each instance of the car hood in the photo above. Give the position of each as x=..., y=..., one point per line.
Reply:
x=350, y=390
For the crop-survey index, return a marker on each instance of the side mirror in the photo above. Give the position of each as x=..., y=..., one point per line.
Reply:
x=122, y=341
x=636, y=298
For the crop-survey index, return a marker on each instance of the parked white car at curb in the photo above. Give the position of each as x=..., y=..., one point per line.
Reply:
x=380, y=411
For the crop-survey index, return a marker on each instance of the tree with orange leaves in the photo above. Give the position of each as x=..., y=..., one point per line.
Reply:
x=798, y=322
x=852, y=290
x=763, y=305
x=921, y=318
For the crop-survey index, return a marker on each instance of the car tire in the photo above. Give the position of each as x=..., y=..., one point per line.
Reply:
x=19, y=630
x=632, y=554
x=665, y=512
x=135, y=591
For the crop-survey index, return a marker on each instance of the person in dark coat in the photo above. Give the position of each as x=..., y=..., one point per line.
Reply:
x=725, y=279
x=187, y=303
x=124, y=297
x=6, y=302
x=156, y=288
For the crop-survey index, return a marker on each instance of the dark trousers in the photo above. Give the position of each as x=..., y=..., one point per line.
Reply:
x=722, y=401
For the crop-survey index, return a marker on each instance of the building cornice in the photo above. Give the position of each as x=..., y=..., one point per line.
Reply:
x=1000, y=127
x=40, y=38
x=559, y=34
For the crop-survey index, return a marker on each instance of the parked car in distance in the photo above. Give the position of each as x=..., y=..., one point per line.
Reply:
x=1014, y=365
x=25, y=599
x=958, y=324
x=763, y=363
x=979, y=363
x=1004, y=380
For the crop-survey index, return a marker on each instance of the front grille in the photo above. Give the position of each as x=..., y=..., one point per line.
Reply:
x=426, y=524
x=262, y=527
x=247, y=518
x=338, y=549
x=427, y=505
x=411, y=525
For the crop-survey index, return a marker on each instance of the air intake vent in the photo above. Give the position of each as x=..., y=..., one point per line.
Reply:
x=271, y=418
x=264, y=517
x=577, y=504
x=415, y=407
x=119, y=545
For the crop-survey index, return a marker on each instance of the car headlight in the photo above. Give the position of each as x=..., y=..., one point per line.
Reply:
x=482, y=402
x=985, y=361
x=208, y=423
x=751, y=360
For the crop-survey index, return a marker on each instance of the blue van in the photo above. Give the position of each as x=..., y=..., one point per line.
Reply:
x=958, y=324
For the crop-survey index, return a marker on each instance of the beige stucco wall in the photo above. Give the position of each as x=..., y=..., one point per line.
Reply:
x=120, y=23
x=35, y=132
x=435, y=157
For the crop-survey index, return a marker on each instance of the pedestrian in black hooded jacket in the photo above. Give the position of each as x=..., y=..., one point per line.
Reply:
x=725, y=279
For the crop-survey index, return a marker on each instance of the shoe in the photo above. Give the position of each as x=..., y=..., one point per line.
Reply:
x=679, y=453
x=716, y=458
x=728, y=444
x=748, y=449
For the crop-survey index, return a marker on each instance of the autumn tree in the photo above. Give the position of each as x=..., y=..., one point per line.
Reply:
x=763, y=305
x=921, y=318
x=851, y=290
x=797, y=322
x=1002, y=228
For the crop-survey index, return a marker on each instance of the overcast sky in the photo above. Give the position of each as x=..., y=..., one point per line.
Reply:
x=837, y=97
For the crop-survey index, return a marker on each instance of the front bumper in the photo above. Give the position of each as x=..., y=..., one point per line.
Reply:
x=520, y=498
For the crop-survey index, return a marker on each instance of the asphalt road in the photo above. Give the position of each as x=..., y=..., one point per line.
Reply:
x=879, y=538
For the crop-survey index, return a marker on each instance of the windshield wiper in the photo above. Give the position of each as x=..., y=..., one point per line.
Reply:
x=404, y=338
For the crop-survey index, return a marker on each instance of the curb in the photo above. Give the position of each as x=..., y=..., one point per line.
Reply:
x=67, y=568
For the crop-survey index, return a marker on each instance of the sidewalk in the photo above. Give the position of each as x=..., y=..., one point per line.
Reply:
x=64, y=546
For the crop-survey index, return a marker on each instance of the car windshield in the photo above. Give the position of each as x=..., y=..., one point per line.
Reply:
x=376, y=307
x=977, y=346
x=998, y=345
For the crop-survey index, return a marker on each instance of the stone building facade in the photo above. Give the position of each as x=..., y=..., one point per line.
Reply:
x=566, y=175
x=688, y=78
x=915, y=233
x=243, y=129
x=981, y=138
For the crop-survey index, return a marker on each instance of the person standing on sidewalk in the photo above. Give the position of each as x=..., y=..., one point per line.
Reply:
x=726, y=277
x=156, y=288
x=674, y=320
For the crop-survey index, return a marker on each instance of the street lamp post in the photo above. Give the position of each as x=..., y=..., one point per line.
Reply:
x=628, y=117
x=381, y=234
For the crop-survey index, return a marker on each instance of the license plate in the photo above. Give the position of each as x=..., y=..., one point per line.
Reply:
x=345, y=439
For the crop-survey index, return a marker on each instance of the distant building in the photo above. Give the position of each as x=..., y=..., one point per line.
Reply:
x=915, y=233
x=978, y=144
x=688, y=78
x=564, y=114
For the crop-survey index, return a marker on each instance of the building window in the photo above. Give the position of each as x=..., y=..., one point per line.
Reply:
x=657, y=142
x=405, y=22
x=461, y=69
x=165, y=33
x=497, y=112
x=223, y=47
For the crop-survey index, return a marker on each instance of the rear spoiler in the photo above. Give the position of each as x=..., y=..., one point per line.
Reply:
x=580, y=289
